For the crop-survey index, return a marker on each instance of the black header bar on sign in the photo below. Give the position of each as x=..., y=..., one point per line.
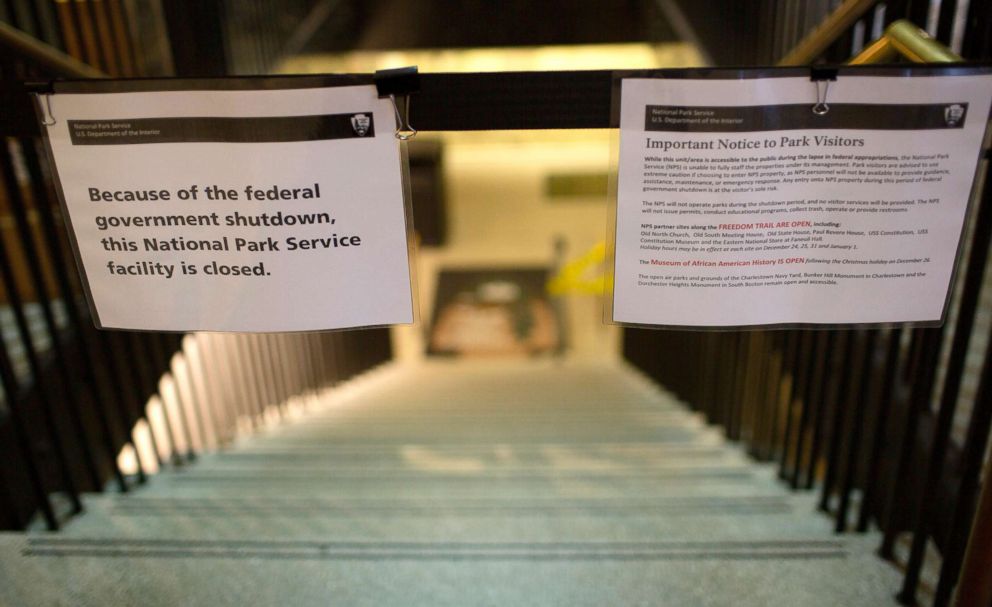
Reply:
x=263, y=129
x=742, y=119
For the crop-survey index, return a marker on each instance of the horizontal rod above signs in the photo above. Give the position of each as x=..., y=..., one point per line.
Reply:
x=444, y=102
x=512, y=100
x=501, y=100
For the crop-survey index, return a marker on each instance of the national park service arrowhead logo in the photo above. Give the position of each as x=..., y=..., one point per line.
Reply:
x=953, y=114
x=361, y=124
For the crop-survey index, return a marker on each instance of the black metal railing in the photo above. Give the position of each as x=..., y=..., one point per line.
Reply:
x=74, y=398
x=876, y=420
x=865, y=416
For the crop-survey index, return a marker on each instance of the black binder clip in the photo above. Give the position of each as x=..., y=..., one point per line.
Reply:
x=399, y=82
x=824, y=76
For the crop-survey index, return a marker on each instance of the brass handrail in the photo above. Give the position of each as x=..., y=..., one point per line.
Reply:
x=45, y=56
x=904, y=38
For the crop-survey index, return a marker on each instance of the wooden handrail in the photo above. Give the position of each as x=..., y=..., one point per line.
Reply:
x=45, y=56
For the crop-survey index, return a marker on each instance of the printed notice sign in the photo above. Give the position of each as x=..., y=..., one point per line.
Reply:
x=738, y=205
x=235, y=210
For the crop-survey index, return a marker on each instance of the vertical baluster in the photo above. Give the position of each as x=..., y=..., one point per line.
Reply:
x=129, y=410
x=924, y=371
x=945, y=21
x=87, y=33
x=164, y=343
x=215, y=379
x=299, y=341
x=122, y=38
x=257, y=374
x=796, y=366
x=778, y=394
x=918, y=12
x=153, y=364
x=131, y=364
x=48, y=24
x=106, y=403
x=315, y=364
x=251, y=376
x=328, y=355
x=45, y=398
x=803, y=390
x=317, y=343
x=9, y=518
x=882, y=427
x=198, y=397
x=146, y=378
x=817, y=394
x=282, y=362
x=977, y=43
x=972, y=458
x=767, y=388
x=272, y=366
x=234, y=395
x=105, y=37
x=17, y=205
x=239, y=377
x=711, y=370
x=840, y=406
x=763, y=396
x=69, y=27
x=263, y=354
x=975, y=585
x=212, y=382
x=733, y=424
x=967, y=309
x=26, y=18
x=291, y=364
x=780, y=429
x=12, y=389
x=308, y=360
x=896, y=9
x=858, y=407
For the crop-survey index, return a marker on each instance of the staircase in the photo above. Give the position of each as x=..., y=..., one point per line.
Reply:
x=460, y=483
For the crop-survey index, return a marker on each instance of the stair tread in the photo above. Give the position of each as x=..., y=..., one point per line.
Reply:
x=455, y=483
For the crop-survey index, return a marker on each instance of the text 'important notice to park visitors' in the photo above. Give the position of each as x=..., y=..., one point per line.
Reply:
x=235, y=210
x=738, y=205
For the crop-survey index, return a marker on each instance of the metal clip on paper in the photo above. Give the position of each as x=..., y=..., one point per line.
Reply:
x=822, y=76
x=48, y=119
x=399, y=82
x=43, y=90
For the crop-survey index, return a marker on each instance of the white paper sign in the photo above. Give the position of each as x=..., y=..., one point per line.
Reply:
x=248, y=210
x=737, y=205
